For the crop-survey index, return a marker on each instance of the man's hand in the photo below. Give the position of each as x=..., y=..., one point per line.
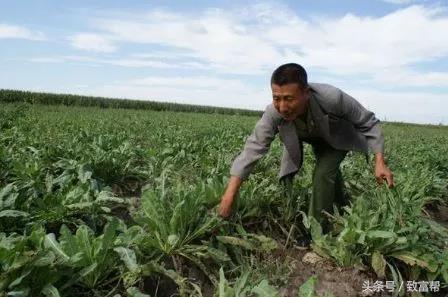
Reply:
x=382, y=172
x=225, y=208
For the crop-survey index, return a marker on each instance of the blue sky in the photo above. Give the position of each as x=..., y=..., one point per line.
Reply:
x=391, y=55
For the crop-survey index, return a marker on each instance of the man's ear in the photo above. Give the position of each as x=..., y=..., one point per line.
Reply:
x=307, y=91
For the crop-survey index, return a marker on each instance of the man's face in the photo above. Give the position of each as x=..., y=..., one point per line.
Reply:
x=290, y=100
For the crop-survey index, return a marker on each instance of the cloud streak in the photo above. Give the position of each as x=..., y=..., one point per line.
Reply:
x=20, y=32
x=92, y=42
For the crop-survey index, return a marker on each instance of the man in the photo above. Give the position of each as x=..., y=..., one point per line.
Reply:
x=321, y=115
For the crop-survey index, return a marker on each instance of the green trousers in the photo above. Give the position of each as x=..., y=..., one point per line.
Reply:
x=328, y=184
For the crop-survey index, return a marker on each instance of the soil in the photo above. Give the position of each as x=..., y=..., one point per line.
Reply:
x=346, y=282
x=341, y=282
x=438, y=212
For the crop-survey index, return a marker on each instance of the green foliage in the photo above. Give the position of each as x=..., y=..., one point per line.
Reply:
x=242, y=287
x=27, y=268
x=67, y=172
x=10, y=114
x=385, y=228
x=307, y=289
x=92, y=258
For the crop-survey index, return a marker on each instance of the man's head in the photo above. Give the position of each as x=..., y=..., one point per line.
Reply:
x=290, y=90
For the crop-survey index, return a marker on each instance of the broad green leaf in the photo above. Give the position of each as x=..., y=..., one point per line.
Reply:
x=21, y=293
x=10, y=213
x=134, y=292
x=316, y=229
x=267, y=244
x=401, y=240
x=176, y=218
x=109, y=235
x=84, y=174
x=305, y=220
x=8, y=197
x=379, y=264
x=51, y=242
x=217, y=254
x=45, y=260
x=263, y=289
x=224, y=289
x=307, y=288
x=410, y=259
x=241, y=287
x=380, y=234
x=68, y=241
x=173, y=239
x=50, y=291
x=128, y=257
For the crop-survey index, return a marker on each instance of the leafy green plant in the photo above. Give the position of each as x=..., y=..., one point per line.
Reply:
x=242, y=287
x=27, y=268
x=91, y=258
x=175, y=221
x=307, y=289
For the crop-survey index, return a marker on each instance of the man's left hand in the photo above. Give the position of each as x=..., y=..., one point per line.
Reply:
x=382, y=172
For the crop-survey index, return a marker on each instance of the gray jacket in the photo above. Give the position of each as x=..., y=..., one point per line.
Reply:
x=342, y=121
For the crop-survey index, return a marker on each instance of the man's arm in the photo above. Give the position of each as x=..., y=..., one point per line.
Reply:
x=233, y=187
x=257, y=144
x=382, y=172
x=366, y=122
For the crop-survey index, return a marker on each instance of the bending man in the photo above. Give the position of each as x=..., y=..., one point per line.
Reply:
x=321, y=115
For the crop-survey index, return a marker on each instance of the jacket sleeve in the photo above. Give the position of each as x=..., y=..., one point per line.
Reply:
x=364, y=121
x=257, y=144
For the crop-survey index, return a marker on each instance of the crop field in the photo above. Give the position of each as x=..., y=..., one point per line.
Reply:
x=122, y=202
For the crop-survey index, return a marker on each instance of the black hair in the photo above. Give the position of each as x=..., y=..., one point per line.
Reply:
x=289, y=74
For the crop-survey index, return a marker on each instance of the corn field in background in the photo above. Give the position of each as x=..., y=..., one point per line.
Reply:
x=14, y=96
x=121, y=202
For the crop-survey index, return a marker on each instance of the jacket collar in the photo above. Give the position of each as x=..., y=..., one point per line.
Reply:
x=320, y=117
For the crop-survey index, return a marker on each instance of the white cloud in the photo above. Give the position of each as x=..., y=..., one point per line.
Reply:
x=92, y=42
x=46, y=60
x=255, y=39
x=194, y=82
x=135, y=61
x=215, y=37
x=19, y=32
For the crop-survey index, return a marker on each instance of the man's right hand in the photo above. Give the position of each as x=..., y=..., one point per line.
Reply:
x=225, y=207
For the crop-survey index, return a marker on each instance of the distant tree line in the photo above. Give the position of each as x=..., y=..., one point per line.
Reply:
x=15, y=96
